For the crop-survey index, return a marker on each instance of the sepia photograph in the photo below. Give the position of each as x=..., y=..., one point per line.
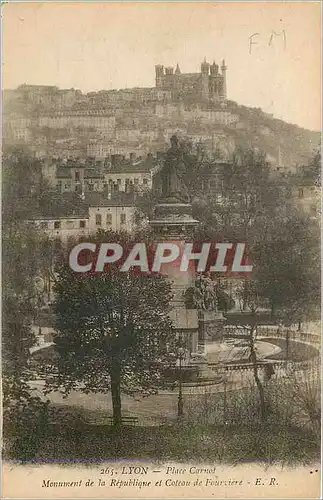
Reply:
x=161, y=232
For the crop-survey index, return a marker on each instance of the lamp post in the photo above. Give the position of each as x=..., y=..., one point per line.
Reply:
x=180, y=402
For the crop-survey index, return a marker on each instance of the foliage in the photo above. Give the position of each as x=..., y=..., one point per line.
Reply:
x=312, y=172
x=23, y=186
x=239, y=433
x=257, y=207
x=113, y=331
x=25, y=419
x=22, y=254
x=287, y=268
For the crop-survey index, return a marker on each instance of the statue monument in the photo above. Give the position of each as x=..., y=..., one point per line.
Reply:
x=172, y=221
x=204, y=296
x=173, y=213
x=173, y=186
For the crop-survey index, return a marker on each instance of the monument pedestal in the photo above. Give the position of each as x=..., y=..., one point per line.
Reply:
x=173, y=222
x=210, y=327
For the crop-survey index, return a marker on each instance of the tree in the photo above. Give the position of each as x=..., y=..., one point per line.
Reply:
x=287, y=265
x=251, y=301
x=312, y=172
x=113, y=332
x=257, y=207
x=22, y=250
x=246, y=198
x=23, y=186
x=283, y=244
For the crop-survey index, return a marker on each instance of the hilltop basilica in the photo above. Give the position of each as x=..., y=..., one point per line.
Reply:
x=209, y=84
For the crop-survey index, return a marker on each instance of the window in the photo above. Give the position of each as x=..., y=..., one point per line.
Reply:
x=300, y=193
x=82, y=224
x=77, y=176
x=109, y=219
x=57, y=224
x=98, y=219
x=123, y=218
x=145, y=182
x=43, y=225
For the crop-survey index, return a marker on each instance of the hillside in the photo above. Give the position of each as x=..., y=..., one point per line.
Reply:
x=98, y=127
x=258, y=129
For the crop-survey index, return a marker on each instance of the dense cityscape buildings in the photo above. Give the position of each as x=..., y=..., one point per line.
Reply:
x=68, y=123
x=161, y=246
x=111, y=142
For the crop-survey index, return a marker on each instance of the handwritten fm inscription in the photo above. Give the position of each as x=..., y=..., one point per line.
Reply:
x=272, y=39
x=139, y=477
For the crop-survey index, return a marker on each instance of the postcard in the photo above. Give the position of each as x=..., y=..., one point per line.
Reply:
x=161, y=209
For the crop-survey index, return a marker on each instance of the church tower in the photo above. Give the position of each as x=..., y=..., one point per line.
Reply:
x=159, y=72
x=224, y=78
x=205, y=69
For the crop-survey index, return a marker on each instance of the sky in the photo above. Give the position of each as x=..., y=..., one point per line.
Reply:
x=272, y=49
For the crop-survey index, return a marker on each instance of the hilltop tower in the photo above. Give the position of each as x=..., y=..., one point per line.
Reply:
x=205, y=69
x=214, y=69
x=177, y=79
x=224, y=80
x=159, y=72
x=207, y=85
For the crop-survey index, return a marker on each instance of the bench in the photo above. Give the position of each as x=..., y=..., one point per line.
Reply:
x=108, y=421
x=126, y=420
x=78, y=429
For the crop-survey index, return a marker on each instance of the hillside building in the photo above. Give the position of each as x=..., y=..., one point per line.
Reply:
x=209, y=84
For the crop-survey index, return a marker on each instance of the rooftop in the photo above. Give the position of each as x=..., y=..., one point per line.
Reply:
x=117, y=164
x=93, y=173
x=68, y=204
x=121, y=199
x=71, y=206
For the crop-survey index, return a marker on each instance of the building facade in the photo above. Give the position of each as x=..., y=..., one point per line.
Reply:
x=209, y=84
x=72, y=124
x=65, y=229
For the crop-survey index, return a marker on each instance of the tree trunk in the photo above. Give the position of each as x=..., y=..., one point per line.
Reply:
x=272, y=310
x=245, y=295
x=287, y=345
x=253, y=359
x=116, y=396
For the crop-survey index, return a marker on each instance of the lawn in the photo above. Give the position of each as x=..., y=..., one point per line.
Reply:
x=297, y=351
x=179, y=442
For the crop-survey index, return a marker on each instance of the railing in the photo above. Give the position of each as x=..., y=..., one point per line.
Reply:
x=240, y=375
x=275, y=331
